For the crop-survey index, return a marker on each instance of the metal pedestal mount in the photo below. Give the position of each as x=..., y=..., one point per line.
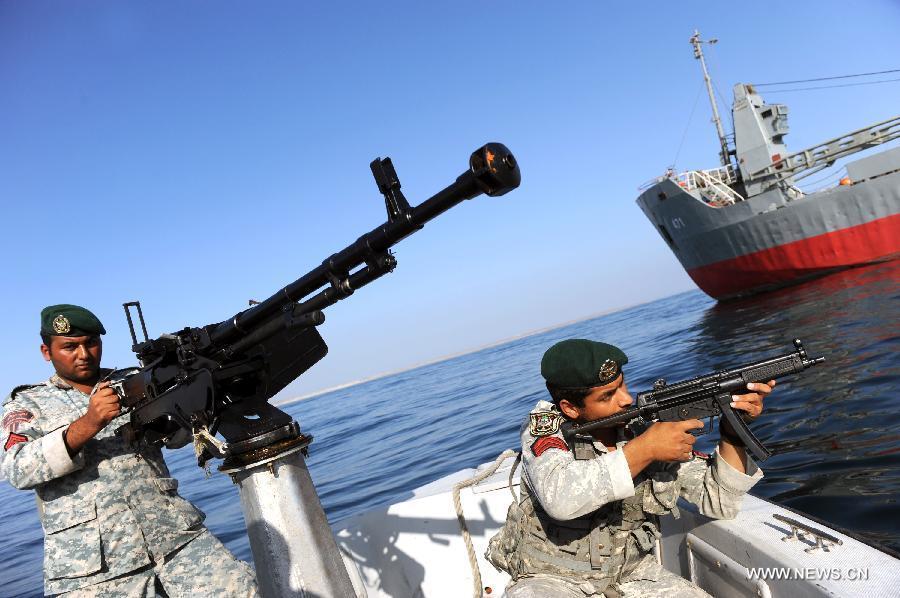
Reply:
x=293, y=546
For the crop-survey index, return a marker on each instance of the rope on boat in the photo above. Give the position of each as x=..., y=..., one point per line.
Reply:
x=512, y=472
x=467, y=538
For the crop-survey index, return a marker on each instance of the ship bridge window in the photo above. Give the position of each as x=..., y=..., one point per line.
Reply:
x=665, y=235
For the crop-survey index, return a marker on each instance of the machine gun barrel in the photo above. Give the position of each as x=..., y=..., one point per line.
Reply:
x=492, y=170
x=219, y=377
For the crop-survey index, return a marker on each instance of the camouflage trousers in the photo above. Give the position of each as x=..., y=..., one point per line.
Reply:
x=202, y=567
x=648, y=580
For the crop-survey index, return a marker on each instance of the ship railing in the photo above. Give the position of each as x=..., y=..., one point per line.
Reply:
x=713, y=185
x=688, y=180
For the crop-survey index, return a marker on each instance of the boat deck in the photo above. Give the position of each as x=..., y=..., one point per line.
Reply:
x=415, y=548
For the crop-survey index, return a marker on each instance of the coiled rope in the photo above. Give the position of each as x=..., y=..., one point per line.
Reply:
x=467, y=537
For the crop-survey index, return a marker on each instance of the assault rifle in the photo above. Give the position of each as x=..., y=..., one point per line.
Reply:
x=217, y=379
x=707, y=396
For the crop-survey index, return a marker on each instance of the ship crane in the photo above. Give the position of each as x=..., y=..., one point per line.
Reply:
x=823, y=155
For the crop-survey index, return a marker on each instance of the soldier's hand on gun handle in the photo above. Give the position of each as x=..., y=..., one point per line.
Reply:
x=104, y=406
x=662, y=441
x=752, y=403
x=672, y=441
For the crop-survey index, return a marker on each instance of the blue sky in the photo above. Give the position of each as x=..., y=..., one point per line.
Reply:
x=194, y=155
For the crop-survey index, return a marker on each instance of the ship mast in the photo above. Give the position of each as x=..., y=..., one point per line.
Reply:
x=698, y=54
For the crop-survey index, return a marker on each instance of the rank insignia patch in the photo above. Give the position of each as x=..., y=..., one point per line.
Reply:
x=548, y=442
x=13, y=440
x=545, y=423
x=61, y=324
x=12, y=419
x=609, y=371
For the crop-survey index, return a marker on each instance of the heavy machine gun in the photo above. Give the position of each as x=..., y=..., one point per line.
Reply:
x=211, y=384
x=217, y=379
x=706, y=396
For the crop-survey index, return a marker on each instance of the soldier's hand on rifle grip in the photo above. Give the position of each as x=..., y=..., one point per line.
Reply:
x=671, y=441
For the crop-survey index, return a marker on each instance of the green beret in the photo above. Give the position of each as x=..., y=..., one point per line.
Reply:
x=69, y=320
x=580, y=363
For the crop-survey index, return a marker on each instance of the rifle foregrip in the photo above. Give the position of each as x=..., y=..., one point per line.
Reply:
x=771, y=371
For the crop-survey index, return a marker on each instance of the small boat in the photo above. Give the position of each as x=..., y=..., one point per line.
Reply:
x=745, y=227
x=419, y=547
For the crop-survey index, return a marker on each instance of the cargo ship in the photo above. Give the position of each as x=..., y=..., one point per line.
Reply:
x=745, y=227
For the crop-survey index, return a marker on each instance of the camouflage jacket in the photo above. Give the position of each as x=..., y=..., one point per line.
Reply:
x=107, y=511
x=587, y=519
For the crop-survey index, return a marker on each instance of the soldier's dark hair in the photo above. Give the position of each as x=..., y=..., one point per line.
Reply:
x=575, y=396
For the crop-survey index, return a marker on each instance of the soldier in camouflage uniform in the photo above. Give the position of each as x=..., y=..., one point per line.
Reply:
x=585, y=524
x=113, y=521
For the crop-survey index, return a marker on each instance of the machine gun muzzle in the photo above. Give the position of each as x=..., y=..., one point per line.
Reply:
x=495, y=170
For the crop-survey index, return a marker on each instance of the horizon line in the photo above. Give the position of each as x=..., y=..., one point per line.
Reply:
x=489, y=345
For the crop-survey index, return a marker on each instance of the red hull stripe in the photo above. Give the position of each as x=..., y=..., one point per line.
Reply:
x=853, y=246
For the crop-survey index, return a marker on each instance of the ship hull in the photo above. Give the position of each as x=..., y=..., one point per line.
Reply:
x=769, y=241
x=800, y=260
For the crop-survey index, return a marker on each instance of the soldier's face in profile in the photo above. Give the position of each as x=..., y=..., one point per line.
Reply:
x=75, y=358
x=602, y=401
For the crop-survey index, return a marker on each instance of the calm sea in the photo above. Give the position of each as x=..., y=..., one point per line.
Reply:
x=836, y=429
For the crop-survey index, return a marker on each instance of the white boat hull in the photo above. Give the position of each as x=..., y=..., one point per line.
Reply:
x=415, y=548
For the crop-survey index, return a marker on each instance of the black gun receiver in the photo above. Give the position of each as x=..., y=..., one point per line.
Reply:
x=703, y=397
x=217, y=379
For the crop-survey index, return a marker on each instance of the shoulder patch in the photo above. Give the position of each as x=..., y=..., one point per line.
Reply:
x=544, y=423
x=548, y=442
x=13, y=440
x=12, y=419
